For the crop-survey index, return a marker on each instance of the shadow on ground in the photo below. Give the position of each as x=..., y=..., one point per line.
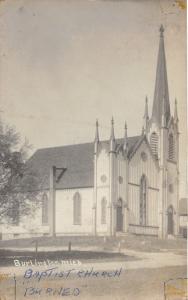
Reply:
x=7, y=257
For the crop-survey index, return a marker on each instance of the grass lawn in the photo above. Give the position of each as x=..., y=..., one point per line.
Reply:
x=134, y=242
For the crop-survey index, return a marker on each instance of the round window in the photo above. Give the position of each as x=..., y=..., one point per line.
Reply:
x=143, y=156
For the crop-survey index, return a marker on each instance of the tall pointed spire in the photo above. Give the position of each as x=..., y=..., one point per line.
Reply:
x=161, y=85
x=125, y=142
x=176, y=112
x=146, y=116
x=112, y=137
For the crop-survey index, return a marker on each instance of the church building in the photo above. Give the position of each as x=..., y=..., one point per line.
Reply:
x=116, y=186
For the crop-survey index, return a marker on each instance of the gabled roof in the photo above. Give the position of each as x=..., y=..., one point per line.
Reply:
x=77, y=159
x=131, y=142
x=138, y=144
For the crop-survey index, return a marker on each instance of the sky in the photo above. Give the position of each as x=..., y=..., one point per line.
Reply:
x=64, y=63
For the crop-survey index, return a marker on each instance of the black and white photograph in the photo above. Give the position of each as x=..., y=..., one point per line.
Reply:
x=93, y=150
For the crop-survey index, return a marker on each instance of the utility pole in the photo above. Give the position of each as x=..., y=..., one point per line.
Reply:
x=54, y=178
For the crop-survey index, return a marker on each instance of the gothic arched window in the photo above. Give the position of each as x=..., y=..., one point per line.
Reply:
x=143, y=199
x=103, y=210
x=44, y=209
x=171, y=147
x=77, y=209
x=154, y=144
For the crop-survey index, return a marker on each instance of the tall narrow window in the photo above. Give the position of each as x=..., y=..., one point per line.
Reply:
x=103, y=210
x=154, y=144
x=171, y=147
x=44, y=209
x=77, y=209
x=143, y=197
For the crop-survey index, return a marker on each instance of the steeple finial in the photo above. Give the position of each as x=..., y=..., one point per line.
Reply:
x=161, y=29
x=125, y=125
x=176, y=112
x=161, y=86
x=143, y=130
x=125, y=142
x=96, y=141
x=97, y=131
x=112, y=137
x=146, y=115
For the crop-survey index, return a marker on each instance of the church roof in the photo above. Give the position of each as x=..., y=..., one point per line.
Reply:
x=77, y=159
x=161, y=104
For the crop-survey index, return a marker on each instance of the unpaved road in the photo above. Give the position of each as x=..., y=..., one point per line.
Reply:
x=142, y=279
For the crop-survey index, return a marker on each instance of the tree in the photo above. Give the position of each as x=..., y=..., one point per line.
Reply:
x=19, y=184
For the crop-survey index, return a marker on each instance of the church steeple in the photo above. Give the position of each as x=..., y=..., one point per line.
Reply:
x=161, y=105
x=146, y=117
x=112, y=137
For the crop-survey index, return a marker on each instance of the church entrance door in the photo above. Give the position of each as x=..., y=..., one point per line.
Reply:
x=119, y=216
x=170, y=220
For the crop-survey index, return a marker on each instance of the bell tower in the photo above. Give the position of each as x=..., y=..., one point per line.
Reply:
x=162, y=133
